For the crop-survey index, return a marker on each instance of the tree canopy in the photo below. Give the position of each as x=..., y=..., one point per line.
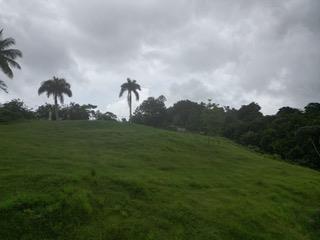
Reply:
x=56, y=87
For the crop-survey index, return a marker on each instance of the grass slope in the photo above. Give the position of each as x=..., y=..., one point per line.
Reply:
x=104, y=180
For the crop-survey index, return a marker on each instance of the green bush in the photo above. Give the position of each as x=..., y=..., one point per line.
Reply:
x=15, y=110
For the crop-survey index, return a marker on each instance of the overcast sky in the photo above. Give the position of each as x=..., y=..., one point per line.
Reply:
x=232, y=51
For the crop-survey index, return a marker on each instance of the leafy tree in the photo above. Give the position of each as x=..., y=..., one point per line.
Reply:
x=56, y=87
x=288, y=110
x=15, y=110
x=313, y=109
x=131, y=86
x=213, y=117
x=75, y=111
x=249, y=112
x=186, y=114
x=107, y=116
x=44, y=111
x=151, y=112
x=231, y=122
x=7, y=58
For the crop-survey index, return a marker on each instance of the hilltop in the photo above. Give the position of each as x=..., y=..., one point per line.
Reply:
x=108, y=180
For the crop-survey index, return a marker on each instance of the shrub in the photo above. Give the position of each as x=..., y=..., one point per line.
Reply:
x=15, y=110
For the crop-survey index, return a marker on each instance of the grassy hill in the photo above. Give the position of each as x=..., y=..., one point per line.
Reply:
x=103, y=180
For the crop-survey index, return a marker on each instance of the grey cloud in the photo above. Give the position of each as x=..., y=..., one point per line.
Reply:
x=191, y=89
x=115, y=31
x=231, y=51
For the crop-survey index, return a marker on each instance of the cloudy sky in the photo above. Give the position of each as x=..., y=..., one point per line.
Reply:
x=232, y=51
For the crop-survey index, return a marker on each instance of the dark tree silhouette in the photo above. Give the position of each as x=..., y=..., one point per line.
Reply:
x=132, y=87
x=7, y=58
x=56, y=87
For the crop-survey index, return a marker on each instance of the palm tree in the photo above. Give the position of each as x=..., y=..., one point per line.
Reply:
x=3, y=86
x=130, y=86
x=56, y=87
x=7, y=58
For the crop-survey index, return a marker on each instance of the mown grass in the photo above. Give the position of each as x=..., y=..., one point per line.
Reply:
x=105, y=180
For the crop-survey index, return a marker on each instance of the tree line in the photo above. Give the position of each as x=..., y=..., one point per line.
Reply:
x=16, y=109
x=291, y=133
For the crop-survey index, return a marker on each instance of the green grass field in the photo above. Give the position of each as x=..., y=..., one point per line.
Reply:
x=104, y=180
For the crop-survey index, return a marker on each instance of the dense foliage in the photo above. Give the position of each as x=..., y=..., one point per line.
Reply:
x=151, y=112
x=107, y=116
x=291, y=133
x=17, y=110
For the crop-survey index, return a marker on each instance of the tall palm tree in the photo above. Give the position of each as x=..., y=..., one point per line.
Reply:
x=132, y=87
x=7, y=58
x=56, y=87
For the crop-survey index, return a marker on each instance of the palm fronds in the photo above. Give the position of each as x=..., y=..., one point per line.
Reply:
x=8, y=56
x=3, y=86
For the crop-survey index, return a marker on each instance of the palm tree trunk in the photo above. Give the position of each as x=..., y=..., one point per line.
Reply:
x=130, y=105
x=56, y=107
